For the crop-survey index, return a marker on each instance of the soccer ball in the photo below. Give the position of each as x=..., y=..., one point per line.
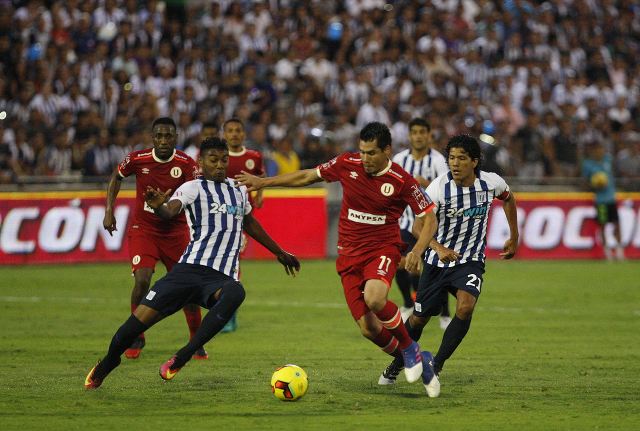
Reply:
x=599, y=180
x=289, y=382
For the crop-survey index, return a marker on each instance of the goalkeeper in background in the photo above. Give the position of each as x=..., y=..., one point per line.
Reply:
x=597, y=169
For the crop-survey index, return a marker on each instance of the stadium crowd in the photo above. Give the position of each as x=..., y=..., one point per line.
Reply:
x=82, y=81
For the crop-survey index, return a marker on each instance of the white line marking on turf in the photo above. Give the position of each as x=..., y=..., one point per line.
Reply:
x=298, y=304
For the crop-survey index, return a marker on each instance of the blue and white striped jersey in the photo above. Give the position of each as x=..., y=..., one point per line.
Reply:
x=462, y=214
x=215, y=212
x=432, y=165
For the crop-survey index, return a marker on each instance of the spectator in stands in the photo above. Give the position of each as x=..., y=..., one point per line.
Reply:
x=514, y=59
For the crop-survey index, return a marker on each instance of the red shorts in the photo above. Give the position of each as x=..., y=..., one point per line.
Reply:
x=356, y=270
x=146, y=248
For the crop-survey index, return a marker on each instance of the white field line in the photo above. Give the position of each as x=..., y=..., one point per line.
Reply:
x=250, y=303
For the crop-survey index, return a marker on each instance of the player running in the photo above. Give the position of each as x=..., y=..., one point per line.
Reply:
x=375, y=193
x=455, y=260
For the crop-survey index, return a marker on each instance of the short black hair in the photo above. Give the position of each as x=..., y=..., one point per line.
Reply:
x=419, y=122
x=164, y=120
x=213, y=143
x=210, y=125
x=233, y=120
x=377, y=131
x=470, y=145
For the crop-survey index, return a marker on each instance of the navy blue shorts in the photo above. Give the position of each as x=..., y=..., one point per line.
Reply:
x=185, y=284
x=434, y=280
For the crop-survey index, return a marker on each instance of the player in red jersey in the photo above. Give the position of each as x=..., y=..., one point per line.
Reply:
x=151, y=238
x=241, y=159
x=375, y=193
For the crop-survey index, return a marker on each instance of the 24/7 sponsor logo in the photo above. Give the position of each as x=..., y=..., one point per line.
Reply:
x=235, y=210
x=473, y=212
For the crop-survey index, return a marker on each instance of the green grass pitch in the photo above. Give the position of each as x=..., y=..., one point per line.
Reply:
x=553, y=346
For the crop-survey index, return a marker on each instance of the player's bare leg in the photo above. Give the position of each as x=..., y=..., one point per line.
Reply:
x=618, y=238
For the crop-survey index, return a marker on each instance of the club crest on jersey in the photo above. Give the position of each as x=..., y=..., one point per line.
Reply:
x=387, y=189
x=145, y=170
x=250, y=164
x=481, y=197
x=176, y=172
x=353, y=175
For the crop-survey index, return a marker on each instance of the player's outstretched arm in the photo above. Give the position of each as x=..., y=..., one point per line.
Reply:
x=511, y=211
x=109, y=220
x=300, y=178
x=254, y=229
x=156, y=199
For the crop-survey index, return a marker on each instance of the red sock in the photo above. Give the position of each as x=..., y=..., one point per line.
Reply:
x=392, y=320
x=387, y=342
x=194, y=318
x=133, y=308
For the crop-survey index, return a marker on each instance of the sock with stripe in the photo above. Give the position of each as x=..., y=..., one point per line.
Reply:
x=387, y=343
x=391, y=319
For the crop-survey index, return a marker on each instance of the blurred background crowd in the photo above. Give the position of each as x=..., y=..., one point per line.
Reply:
x=82, y=81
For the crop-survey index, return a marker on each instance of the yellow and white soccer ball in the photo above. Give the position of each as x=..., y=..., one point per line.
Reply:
x=599, y=180
x=289, y=383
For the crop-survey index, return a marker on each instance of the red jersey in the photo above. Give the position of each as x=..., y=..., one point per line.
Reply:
x=372, y=204
x=246, y=160
x=163, y=174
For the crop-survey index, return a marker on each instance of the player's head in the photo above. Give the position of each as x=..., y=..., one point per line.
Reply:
x=165, y=136
x=595, y=150
x=375, y=147
x=209, y=130
x=214, y=159
x=233, y=133
x=463, y=156
x=419, y=134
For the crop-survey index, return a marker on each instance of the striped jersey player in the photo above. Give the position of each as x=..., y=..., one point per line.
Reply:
x=455, y=262
x=151, y=239
x=217, y=210
x=462, y=214
x=424, y=164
